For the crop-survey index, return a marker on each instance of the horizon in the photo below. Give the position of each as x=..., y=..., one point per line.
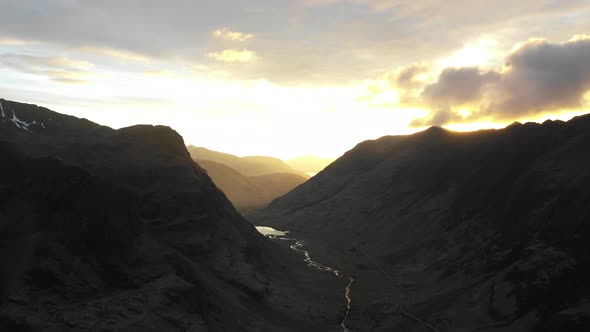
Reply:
x=300, y=78
x=560, y=117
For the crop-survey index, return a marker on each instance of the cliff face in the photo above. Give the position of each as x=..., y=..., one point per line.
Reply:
x=487, y=228
x=108, y=229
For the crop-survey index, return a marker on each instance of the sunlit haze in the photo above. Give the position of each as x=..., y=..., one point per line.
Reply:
x=298, y=77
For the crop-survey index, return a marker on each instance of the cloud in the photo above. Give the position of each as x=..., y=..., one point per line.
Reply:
x=542, y=76
x=59, y=69
x=158, y=73
x=234, y=56
x=229, y=35
x=333, y=41
x=408, y=78
x=459, y=86
x=538, y=77
x=13, y=42
x=399, y=88
x=437, y=118
x=379, y=5
x=115, y=53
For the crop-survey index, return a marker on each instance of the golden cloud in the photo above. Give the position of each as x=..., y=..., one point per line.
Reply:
x=158, y=73
x=68, y=77
x=13, y=41
x=114, y=53
x=227, y=34
x=63, y=62
x=538, y=77
x=403, y=85
x=233, y=55
x=60, y=69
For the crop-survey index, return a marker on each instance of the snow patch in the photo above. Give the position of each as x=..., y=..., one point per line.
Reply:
x=18, y=122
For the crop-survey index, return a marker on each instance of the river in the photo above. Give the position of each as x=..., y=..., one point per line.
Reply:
x=298, y=246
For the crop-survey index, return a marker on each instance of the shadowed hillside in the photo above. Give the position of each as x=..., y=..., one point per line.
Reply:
x=120, y=230
x=486, y=230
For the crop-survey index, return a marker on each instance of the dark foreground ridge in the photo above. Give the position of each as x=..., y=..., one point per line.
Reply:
x=120, y=230
x=488, y=230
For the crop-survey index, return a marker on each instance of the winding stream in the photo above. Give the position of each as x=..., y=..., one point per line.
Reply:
x=298, y=247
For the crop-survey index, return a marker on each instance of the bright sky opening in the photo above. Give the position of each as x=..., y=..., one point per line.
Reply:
x=298, y=77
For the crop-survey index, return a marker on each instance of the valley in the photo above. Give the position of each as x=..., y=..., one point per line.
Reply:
x=252, y=182
x=480, y=227
x=108, y=229
x=295, y=166
x=298, y=247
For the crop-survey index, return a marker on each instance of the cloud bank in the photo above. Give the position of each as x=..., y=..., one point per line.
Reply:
x=537, y=77
x=303, y=41
x=234, y=56
x=57, y=68
x=227, y=34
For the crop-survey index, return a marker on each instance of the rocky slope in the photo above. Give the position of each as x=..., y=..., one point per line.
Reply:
x=249, y=193
x=119, y=230
x=487, y=230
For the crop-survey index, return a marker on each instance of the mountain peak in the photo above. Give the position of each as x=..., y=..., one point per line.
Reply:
x=436, y=129
x=163, y=138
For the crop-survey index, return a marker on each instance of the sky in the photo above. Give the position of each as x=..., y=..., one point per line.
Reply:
x=298, y=77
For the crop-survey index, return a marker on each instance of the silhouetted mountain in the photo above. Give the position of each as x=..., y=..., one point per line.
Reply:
x=120, y=230
x=250, y=192
x=249, y=166
x=489, y=230
x=309, y=164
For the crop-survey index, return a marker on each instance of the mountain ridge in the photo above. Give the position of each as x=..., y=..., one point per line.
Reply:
x=496, y=218
x=121, y=229
x=249, y=165
x=249, y=192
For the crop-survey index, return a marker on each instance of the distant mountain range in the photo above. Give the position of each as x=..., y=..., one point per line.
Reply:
x=252, y=182
x=120, y=230
x=249, y=192
x=249, y=166
x=309, y=164
x=480, y=231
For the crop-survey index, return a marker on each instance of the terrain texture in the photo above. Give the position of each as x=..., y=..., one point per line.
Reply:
x=120, y=230
x=481, y=231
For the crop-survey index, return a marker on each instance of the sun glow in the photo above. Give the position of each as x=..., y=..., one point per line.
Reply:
x=481, y=53
x=563, y=115
x=229, y=95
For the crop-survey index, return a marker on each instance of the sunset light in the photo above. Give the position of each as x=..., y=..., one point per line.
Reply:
x=233, y=85
x=295, y=165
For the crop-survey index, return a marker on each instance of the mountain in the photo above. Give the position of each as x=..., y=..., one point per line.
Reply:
x=249, y=166
x=120, y=230
x=475, y=231
x=309, y=164
x=249, y=192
